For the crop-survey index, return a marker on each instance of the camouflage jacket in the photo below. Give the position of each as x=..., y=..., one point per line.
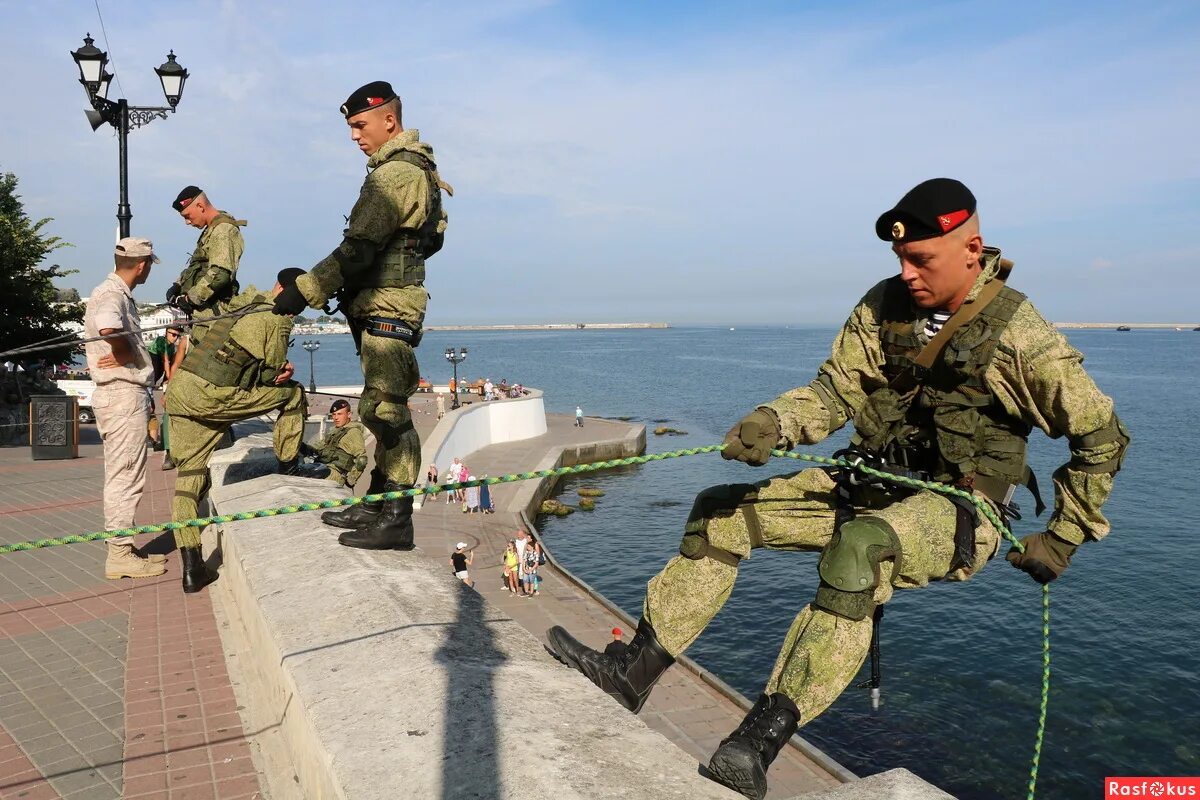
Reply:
x=344, y=450
x=394, y=197
x=211, y=273
x=1035, y=375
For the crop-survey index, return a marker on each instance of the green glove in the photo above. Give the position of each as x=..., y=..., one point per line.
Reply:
x=752, y=439
x=1045, y=558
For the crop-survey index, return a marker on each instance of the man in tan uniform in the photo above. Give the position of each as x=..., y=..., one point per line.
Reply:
x=209, y=280
x=239, y=372
x=378, y=274
x=944, y=371
x=122, y=371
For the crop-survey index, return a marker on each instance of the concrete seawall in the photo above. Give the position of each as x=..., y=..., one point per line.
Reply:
x=379, y=675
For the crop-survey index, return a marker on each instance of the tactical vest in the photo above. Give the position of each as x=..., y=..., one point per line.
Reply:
x=330, y=452
x=949, y=426
x=401, y=262
x=198, y=264
x=221, y=361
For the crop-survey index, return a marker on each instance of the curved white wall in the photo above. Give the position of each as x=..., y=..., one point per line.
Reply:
x=480, y=424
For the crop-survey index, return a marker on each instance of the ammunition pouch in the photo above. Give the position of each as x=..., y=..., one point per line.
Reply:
x=229, y=365
x=849, y=566
x=393, y=329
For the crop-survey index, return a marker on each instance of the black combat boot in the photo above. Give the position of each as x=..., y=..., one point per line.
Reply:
x=742, y=759
x=628, y=677
x=196, y=574
x=361, y=515
x=290, y=467
x=392, y=528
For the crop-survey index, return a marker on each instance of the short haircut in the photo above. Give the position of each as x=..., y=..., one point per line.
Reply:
x=128, y=262
x=396, y=108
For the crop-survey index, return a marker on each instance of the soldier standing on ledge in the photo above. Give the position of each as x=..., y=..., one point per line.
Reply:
x=209, y=281
x=944, y=371
x=378, y=274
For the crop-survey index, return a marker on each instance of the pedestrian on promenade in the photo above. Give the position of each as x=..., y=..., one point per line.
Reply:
x=485, y=498
x=511, y=563
x=377, y=273
x=943, y=370
x=578, y=417
x=441, y=405
x=529, y=568
x=471, y=501
x=460, y=561
x=431, y=475
x=122, y=370
x=616, y=648
x=522, y=544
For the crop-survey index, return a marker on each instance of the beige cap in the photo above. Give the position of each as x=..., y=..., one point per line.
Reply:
x=136, y=247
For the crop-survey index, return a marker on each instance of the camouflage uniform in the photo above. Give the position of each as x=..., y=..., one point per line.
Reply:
x=1035, y=376
x=202, y=411
x=344, y=451
x=210, y=278
x=397, y=198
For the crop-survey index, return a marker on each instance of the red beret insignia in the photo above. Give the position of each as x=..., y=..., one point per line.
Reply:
x=374, y=101
x=953, y=219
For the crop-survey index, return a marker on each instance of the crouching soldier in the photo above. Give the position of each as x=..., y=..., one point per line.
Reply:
x=239, y=370
x=341, y=455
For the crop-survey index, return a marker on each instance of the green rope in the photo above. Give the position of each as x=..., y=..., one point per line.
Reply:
x=911, y=483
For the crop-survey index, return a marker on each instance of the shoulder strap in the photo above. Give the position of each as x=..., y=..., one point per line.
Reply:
x=424, y=162
x=223, y=217
x=908, y=380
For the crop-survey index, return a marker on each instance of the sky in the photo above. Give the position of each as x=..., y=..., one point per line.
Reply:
x=686, y=162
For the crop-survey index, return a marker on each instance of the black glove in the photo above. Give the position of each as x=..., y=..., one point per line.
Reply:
x=184, y=304
x=172, y=293
x=307, y=450
x=752, y=439
x=1045, y=558
x=289, y=302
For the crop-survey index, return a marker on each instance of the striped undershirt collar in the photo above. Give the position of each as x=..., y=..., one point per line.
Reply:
x=935, y=322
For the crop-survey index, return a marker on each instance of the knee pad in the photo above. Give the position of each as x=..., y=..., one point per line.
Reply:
x=849, y=566
x=719, y=502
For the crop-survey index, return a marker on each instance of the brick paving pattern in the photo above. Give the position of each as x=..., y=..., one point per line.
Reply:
x=108, y=689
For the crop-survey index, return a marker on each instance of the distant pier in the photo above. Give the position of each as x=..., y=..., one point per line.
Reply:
x=1162, y=326
x=552, y=326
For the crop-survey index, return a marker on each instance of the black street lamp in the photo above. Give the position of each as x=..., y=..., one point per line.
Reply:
x=455, y=360
x=92, y=63
x=312, y=346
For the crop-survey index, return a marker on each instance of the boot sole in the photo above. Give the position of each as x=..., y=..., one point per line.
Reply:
x=113, y=576
x=356, y=546
x=346, y=526
x=558, y=651
x=737, y=768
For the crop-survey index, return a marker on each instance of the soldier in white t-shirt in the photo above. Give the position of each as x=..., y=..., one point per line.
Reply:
x=122, y=371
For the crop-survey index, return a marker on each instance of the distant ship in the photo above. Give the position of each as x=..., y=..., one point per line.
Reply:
x=1123, y=328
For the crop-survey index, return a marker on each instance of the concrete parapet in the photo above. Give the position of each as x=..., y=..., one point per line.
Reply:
x=895, y=784
x=385, y=677
x=478, y=425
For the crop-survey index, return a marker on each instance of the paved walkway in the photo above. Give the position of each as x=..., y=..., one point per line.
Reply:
x=108, y=689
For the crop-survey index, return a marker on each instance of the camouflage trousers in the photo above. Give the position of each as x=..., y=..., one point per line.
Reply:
x=389, y=378
x=822, y=652
x=201, y=414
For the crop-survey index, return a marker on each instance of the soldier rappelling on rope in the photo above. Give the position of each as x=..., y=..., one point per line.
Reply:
x=943, y=371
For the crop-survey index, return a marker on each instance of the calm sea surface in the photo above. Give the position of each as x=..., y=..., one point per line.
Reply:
x=961, y=661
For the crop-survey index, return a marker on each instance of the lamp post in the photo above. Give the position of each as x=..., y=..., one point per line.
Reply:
x=92, y=61
x=312, y=346
x=455, y=360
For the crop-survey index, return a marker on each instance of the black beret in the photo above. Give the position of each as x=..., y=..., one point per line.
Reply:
x=338, y=405
x=930, y=209
x=373, y=95
x=287, y=277
x=186, y=196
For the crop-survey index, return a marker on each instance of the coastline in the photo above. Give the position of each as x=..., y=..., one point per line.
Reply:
x=1162, y=326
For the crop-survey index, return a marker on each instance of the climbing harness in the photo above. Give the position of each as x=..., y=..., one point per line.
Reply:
x=840, y=463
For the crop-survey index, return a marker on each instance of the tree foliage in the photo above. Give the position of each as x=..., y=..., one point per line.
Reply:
x=30, y=310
